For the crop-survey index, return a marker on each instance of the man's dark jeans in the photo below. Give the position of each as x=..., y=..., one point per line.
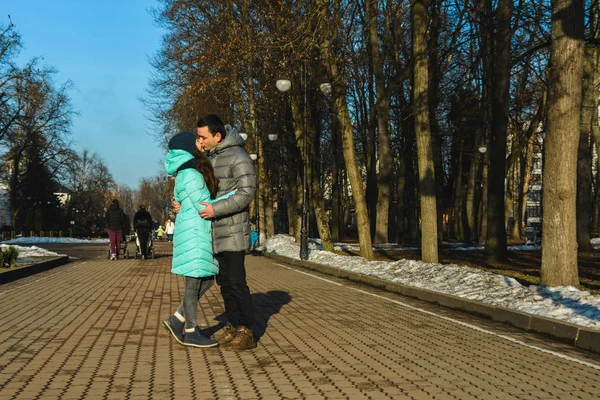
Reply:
x=234, y=290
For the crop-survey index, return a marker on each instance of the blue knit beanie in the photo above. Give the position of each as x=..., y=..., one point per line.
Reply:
x=183, y=141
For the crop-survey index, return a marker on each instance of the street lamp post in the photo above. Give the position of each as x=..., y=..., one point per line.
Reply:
x=283, y=85
x=254, y=157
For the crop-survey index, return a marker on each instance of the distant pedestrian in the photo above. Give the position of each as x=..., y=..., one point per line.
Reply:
x=193, y=257
x=169, y=230
x=160, y=232
x=114, y=220
x=142, y=224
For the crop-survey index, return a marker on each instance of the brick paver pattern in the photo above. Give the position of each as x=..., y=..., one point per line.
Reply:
x=91, y=329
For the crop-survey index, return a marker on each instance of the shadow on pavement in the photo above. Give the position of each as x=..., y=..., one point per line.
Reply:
x=265, y=305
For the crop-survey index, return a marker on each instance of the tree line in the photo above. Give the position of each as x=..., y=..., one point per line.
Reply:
x=417, y=88
x=39, y=159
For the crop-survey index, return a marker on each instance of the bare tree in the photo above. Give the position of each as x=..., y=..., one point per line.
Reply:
x=495, y=244
x=559, y=253
x=427, y=192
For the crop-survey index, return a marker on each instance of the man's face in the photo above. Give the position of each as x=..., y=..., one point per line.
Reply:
x=205, y=141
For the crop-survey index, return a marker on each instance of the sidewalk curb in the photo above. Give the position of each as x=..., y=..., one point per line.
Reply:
x=22, y=272
x=584, y=338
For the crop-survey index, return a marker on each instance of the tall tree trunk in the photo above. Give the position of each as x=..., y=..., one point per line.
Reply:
x=470, y=205
x=486, y=29
x=559, y=252
x=291, y=202
x=269, y=215
x=589, y=107
x=458, y=200
x=434, y=77
x=400, y=213
x=341, y=106
x=484, y=197
x=596, y=212
x=336, y=222
x=369, y=143
x=511, y=191
x=316, y=194
x=411, y=209
x=382, y=107
x=427, y=192
x=525, y=177
x=298, y=222
x=495, y=244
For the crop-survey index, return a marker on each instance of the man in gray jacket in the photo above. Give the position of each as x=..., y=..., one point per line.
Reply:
x=231, y=229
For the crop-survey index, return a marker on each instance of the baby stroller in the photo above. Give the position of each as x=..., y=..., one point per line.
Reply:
x=138, y=249
x=121, y=250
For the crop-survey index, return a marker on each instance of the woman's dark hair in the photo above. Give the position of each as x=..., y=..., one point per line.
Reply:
x=203, y=165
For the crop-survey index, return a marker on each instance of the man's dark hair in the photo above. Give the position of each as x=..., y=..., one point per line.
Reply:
x=214, y=124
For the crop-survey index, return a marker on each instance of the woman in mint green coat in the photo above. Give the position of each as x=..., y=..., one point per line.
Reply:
x=193, y=257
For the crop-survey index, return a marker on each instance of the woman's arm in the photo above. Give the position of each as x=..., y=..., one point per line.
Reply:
x=226, y=195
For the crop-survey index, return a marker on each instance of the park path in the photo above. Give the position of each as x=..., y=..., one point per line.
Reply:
x=91, y=329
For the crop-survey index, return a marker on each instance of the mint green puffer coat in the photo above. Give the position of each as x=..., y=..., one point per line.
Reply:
x=192, y=241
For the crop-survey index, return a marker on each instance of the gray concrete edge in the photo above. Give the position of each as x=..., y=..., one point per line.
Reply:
x=584, y=338
x=22, y=272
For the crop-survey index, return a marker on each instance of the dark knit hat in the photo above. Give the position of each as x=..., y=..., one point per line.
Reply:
x=183, y=141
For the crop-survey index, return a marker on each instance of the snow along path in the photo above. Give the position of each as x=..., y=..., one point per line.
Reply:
x=53, y=240
x=30, y=254
x=562, y=303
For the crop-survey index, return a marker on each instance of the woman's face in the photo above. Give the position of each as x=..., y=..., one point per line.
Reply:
x=199, y=144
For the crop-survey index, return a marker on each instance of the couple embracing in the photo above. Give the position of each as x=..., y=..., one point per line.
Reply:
x=214, y=184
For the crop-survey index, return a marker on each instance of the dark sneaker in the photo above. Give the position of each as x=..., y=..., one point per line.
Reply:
x=244, y=340
x=227, y=335
x=196, y=339
x=175, y=327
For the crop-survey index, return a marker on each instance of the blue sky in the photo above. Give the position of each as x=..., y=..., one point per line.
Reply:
x=103, y=47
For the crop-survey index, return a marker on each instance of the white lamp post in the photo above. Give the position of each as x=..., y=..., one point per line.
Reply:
x=325, y=88
x=283, y=85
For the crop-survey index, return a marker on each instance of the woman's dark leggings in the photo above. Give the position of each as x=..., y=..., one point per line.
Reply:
x=194, y=289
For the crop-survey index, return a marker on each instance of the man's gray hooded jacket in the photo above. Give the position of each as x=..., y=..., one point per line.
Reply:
x=235, y=171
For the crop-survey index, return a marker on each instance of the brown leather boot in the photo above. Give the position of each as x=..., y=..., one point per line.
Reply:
x=227, y=335
x=244, y=340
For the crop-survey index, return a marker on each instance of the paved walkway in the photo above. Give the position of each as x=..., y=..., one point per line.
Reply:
x=91, y=329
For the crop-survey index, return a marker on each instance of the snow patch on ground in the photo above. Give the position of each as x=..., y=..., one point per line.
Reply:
x=42, y=240
x=30, y=254
x=563, y=303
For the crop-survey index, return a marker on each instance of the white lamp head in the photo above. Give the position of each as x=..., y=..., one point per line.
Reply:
x=273, y=137
x=283, y=85
x=325, y=88
x=482, y=149
x=253, y=156
x=244, y=136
